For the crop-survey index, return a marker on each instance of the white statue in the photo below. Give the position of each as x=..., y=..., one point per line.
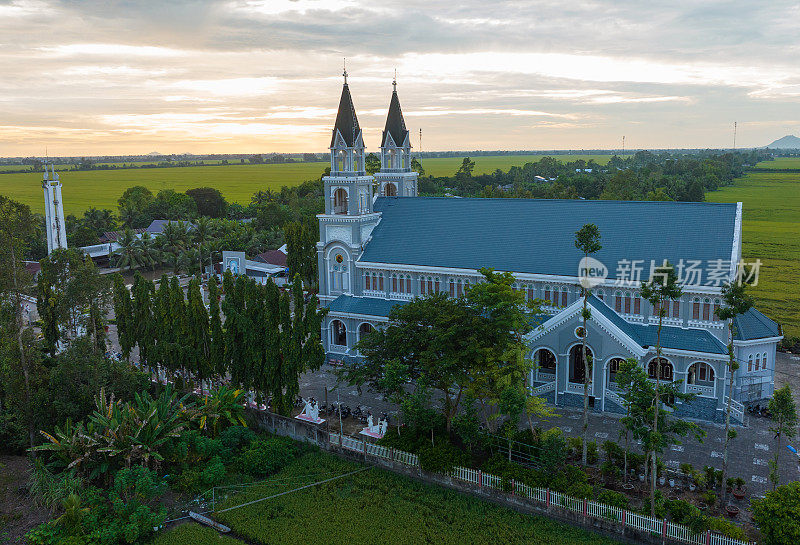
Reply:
x=382, y=426
x=314, y=411
x=306, y=406
x=369, y=423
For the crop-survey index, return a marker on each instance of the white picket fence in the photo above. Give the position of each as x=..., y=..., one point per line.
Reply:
x=588, y=508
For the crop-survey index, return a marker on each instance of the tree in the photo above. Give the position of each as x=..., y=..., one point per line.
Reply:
x=648, y=422
x=16, y=224
x=783, y=413
x=372, y=164
x=777, y=515
x=209, y=201
x=301, y=248
x=587, y=240
x=623, y=186
x=465, y=169
x=216, y=355
x=627, y=374
x=123, y=313
x=431, y=340
x=133, y=206
x=661, y=289
x=129, y=252
x=143, y=329
x=736, y=302
x=416, y=166
x=198, y=333
x=171, y=205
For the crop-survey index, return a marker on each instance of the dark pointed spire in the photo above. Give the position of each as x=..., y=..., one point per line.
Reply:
x=395, y=124
x=346, y=120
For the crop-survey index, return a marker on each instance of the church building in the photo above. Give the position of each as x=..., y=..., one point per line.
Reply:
x=382, y=245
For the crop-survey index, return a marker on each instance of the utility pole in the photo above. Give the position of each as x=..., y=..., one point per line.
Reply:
x=734, y=136
x=623, y=144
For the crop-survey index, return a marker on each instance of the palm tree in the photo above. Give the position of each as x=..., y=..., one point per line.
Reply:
x=129, y=251
x=128, y=215
x=202, y=236
x=174, y=240
x=737, y=302
x=151, y=256
x=659, y=291
x=587, y=240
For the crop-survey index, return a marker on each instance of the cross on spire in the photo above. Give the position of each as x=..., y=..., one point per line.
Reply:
x=344, y=69
x=394, y=80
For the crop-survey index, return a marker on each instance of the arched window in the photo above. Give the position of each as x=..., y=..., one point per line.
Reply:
x=758, y=361
x=750, y=363
x=600, y=294
x=367, y=281
x=390, y=190
x=717, y=306
x=547, y=298
x=545, y=361
x=627, y=302
x=577, y=366
x=338, y=333
x=340, y=157
x=614, y=364
x=664, y=369
x=706, y=309
x=700, y=371
x=676, y=309
x=340, y=201
x=696, y=308
x=764, y=361
x=618, y=301
x=564, y=296
x=452, y=288
x=364, y=329
x=637, y=305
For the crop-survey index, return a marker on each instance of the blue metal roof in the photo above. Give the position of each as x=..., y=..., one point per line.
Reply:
x=537, y=235
x=367, y=306
x=676, y=338
x=754, y=325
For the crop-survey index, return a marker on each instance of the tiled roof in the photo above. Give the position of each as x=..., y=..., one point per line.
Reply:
x=676, y=338
x=346, y=120
x=754, y=325
x=273, y=257
x=113, y=236
x=368, y=306
x=395, y=124
x=537, y=235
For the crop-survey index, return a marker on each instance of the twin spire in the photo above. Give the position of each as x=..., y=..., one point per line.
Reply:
x=347, y=121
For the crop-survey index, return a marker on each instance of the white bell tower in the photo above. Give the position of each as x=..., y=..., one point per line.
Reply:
x=53, y=210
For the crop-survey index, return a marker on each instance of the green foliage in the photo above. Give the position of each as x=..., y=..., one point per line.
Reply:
x=778, y=514
x=193, y=534
x=234, y=439
x=613, y=498
x=265, y=457
x=221, y=408
x=591, y=452
x=441, y=457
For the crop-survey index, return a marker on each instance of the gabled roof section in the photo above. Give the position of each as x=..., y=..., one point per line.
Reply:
x=346, y=120
x=754, y=325
x=640, y=337
x=536, y=236
x=365, y=306
x=395, y=124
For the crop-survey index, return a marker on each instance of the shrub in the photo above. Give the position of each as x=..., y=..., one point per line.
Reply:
x=710, y=498
x=575, y=446
x=234, y=439
x=614, y=453
x=266, y=456
x=725, y=527
x=615, y=499
x=553, y=452
x=591, y=453
x=778, y=514
x=442, y=457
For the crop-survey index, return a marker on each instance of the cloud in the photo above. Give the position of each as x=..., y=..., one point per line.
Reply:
x=102, y=76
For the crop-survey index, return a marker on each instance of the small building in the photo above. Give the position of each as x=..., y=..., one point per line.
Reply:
x=261, y=272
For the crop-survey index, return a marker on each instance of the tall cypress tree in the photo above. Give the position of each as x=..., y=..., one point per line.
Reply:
x=123, y=310
x=198, y=332
x=178, y=319
x=162, y=326
x=217, y=351
x=142, y=326
x=270, y=382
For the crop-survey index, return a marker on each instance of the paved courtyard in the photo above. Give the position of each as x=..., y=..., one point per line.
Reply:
x=749, y=452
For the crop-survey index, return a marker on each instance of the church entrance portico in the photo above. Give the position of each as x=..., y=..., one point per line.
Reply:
x=578, y=368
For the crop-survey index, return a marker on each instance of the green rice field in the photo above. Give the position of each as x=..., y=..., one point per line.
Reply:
x=377, y=506
x=102, y=188
x=780, y=163
x=771, y=233
x=193, y=534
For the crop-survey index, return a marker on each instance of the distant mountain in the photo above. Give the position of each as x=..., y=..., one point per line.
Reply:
x=787, y=142
x=154, y=154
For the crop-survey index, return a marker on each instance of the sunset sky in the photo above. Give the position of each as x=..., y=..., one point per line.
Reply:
x=174, y=76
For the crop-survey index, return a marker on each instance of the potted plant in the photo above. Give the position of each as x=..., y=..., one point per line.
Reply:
x=732, y=510
x=729, y=484
x=687, y=470
x=660, y=467
x=739, y=491
x=671, y=482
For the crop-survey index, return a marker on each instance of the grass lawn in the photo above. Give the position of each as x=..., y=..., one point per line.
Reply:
x=376, y=506
x=102, y=188
x=780, y=162
x=771, y=233
x=193, y=533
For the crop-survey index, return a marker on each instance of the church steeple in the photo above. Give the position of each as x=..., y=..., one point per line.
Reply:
x=396, y=177
x=347, y=144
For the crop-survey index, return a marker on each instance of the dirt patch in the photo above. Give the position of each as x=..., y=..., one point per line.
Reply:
x=18, y=513
x=787, y=371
